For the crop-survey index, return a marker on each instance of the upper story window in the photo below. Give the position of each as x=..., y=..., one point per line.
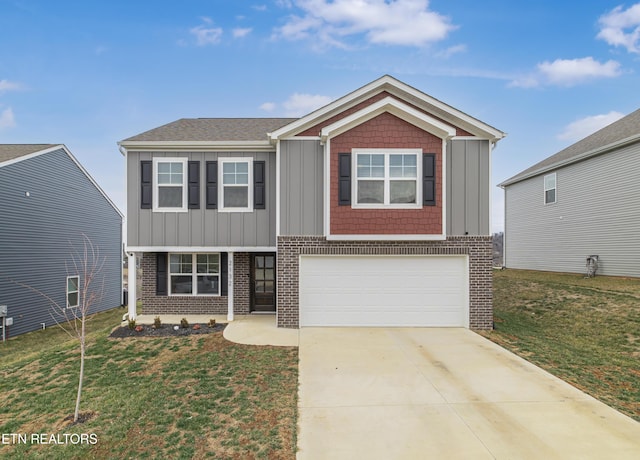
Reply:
x=170, y=180
x=387, y=178
x=550, y=188
x=73, y=291
x=194, y=274
x=236, y=184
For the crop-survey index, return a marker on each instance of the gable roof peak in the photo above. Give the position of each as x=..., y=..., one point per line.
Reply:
x=400, y=90
x=615, y=135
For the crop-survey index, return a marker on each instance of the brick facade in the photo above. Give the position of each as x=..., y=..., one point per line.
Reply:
x=478, y=248
x=153, y=304
x=385, y=131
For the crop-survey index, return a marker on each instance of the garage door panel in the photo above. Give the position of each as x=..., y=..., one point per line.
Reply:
x=383, y=291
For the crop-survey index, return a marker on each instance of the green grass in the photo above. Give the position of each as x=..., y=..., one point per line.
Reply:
x=171, y=397
x=585, y=331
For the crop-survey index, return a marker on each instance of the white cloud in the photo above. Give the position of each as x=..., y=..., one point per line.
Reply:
x=447, y=53
x=389, y=22
x=6, y=85
x=301, y=104
x=206, y=36
x=621, y=28
x=298, y=104
x=568, y=72
x=583, y=127
x=240, y=32
x=268, y=106
x=260, y=7
x=572, y=71
x=7, y=119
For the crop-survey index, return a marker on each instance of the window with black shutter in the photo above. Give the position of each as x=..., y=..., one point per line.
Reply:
x=344, y=179
x=161, y=273
x=193, y=185
x=429, y=179
x=146, y=184
x=212, y=184
x=259, y=192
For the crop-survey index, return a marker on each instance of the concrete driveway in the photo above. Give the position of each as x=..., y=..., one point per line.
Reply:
x=409, y=393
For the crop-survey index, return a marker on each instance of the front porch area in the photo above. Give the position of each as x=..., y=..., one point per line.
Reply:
x=202, y=283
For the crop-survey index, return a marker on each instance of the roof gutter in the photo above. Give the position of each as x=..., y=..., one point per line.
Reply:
x=195, y=146
x=583, y=156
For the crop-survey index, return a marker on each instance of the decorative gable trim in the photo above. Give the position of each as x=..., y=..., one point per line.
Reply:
x=394, y=107
x=400, y=90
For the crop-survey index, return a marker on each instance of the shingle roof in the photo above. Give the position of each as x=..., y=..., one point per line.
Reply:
x=12, y=151
x=213, y=130
x=617, y=131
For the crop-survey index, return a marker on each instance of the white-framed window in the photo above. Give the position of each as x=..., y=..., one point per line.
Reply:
x=236, y=184
x=73, y=291
x=387, y=178
x=194, y=274
x=170, y=184
x=550, y=188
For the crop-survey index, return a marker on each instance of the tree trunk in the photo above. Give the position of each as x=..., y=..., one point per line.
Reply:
x=82, y=350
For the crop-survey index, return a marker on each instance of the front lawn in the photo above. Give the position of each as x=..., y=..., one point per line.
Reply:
x=585, y=331
x=169, y=397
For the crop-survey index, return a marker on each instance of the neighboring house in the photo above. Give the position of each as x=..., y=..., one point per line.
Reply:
x=371, y=211
x=582, y=201
x=48, y=204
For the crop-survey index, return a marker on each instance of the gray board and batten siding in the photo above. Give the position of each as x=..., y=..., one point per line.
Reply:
x=301, y=182
x=597, y=212
x=200, y=227
x=468, y=175
x=41, y=231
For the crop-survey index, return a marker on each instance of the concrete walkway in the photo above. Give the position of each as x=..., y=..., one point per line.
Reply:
x=245, y=329
x=443, y=394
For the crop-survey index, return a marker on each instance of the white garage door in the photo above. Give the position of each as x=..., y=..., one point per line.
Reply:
x=383, y=291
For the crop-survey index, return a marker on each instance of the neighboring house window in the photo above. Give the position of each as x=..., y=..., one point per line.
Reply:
x=550, y=188
x=387, y=178
x=236, y=184
x=194, y=274
x=73, y=291
x=170, y=183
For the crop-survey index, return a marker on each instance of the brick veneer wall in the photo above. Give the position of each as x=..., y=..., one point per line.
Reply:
x=478, y=248
x=153, y=304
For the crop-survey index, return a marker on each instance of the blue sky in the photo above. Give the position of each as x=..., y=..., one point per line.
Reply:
x=91, y=73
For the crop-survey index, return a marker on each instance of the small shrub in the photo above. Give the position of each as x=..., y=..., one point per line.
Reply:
x=196, y=327
x=139, y=328
x=157, y=324
x=212, y=323
x=184, y=323
x=132, y=324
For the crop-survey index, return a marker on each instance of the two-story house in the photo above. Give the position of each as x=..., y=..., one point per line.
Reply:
x=580, y=202
x=51, y=211
x=371, y=211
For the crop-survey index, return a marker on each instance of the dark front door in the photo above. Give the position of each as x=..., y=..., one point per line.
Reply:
x=263, y=282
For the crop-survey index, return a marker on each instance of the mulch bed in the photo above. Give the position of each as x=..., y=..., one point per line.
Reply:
x=166, y=330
